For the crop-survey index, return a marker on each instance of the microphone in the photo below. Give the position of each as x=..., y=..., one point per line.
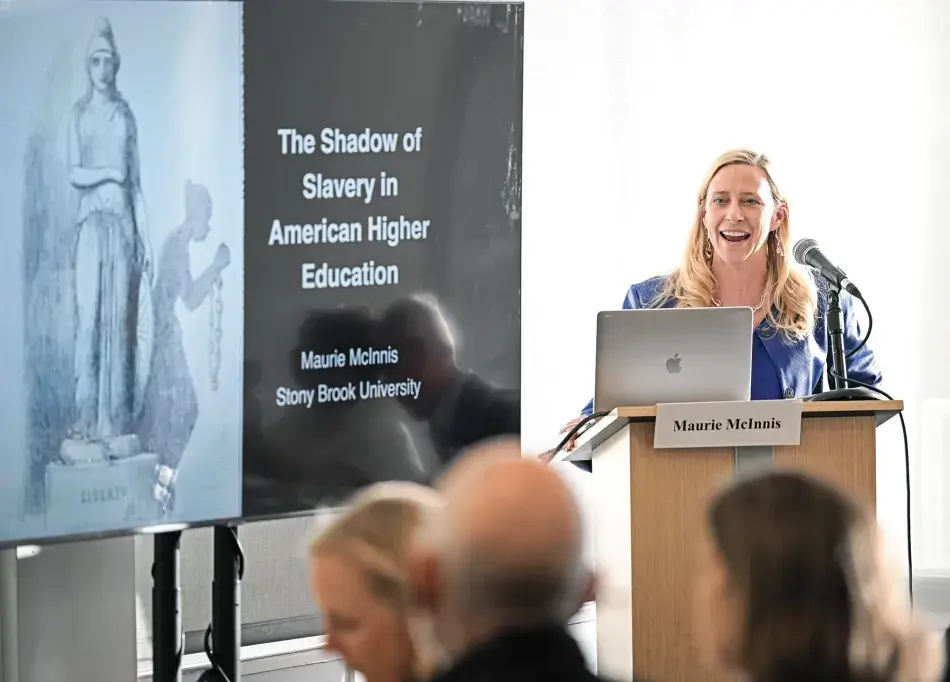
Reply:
x=807, y=253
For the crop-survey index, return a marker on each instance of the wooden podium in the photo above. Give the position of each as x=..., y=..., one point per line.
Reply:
x=648, y=507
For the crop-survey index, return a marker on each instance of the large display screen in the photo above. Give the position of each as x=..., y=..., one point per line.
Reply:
x=256, y=255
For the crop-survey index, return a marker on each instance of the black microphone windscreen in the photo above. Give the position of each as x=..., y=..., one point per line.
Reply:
x=802, y=247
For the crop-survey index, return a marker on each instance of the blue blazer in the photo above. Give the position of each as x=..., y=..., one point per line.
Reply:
x=799, y=365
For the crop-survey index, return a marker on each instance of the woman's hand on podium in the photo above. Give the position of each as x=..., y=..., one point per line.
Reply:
x=548, y=455
x=572, y=443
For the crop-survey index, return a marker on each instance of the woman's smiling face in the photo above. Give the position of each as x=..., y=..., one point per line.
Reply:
x=739, y=212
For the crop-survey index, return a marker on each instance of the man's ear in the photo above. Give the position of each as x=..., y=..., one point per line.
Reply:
x=425, y=582
x=590, y=594
x=588, y=591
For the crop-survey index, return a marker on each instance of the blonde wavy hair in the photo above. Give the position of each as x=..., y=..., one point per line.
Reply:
x=376, y=531
x=791, y=290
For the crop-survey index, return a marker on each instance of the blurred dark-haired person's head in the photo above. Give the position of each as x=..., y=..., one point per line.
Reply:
x=795, y=584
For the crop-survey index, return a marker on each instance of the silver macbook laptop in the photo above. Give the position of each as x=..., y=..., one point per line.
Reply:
x=672, y=355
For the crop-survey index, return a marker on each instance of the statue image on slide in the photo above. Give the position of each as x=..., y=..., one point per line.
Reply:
x=113, y=255
x=113, y=404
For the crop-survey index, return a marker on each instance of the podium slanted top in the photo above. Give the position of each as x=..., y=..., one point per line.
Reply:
x=595, y=436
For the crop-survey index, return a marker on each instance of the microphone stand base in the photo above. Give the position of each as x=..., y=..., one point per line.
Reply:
x=843, y=394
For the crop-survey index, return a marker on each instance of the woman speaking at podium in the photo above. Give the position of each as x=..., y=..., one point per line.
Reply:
x=738, y=254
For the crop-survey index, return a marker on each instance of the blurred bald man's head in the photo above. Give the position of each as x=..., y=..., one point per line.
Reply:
x=508, y=548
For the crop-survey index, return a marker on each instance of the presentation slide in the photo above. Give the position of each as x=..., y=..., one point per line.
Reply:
x=121, y=211
x=256, y=256
x=382, y=242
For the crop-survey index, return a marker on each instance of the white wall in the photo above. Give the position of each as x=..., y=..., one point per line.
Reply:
x=69, y=613
x=627, y=103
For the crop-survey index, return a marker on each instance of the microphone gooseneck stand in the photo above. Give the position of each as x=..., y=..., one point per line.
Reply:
x=223, y=637
x=838, y=388
x=167, y=635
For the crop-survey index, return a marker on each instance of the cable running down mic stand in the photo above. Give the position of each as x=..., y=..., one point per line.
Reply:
x=838, y=380
x=168, y=637
x=223, y=637
x=838, y=376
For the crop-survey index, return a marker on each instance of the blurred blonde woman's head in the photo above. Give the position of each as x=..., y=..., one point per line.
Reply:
x=359, y=575
x=796, y=584
x=739, y=192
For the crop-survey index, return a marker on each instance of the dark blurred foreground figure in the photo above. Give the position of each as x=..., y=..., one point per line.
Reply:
x=796, y=586
x=946, y=658
x=501, y=571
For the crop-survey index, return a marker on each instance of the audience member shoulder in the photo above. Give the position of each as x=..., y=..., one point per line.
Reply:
x=946, y=660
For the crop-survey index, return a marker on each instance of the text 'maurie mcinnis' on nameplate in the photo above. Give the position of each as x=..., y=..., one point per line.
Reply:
x=728, y=424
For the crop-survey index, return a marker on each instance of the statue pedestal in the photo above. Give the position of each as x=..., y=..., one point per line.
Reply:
x=48, y=602
x=101, y=484
x=86, y=451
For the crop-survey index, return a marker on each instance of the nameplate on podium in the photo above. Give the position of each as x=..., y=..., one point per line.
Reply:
x=728, y=424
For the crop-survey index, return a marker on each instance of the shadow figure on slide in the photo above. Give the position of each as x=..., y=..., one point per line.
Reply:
x=170, y=405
